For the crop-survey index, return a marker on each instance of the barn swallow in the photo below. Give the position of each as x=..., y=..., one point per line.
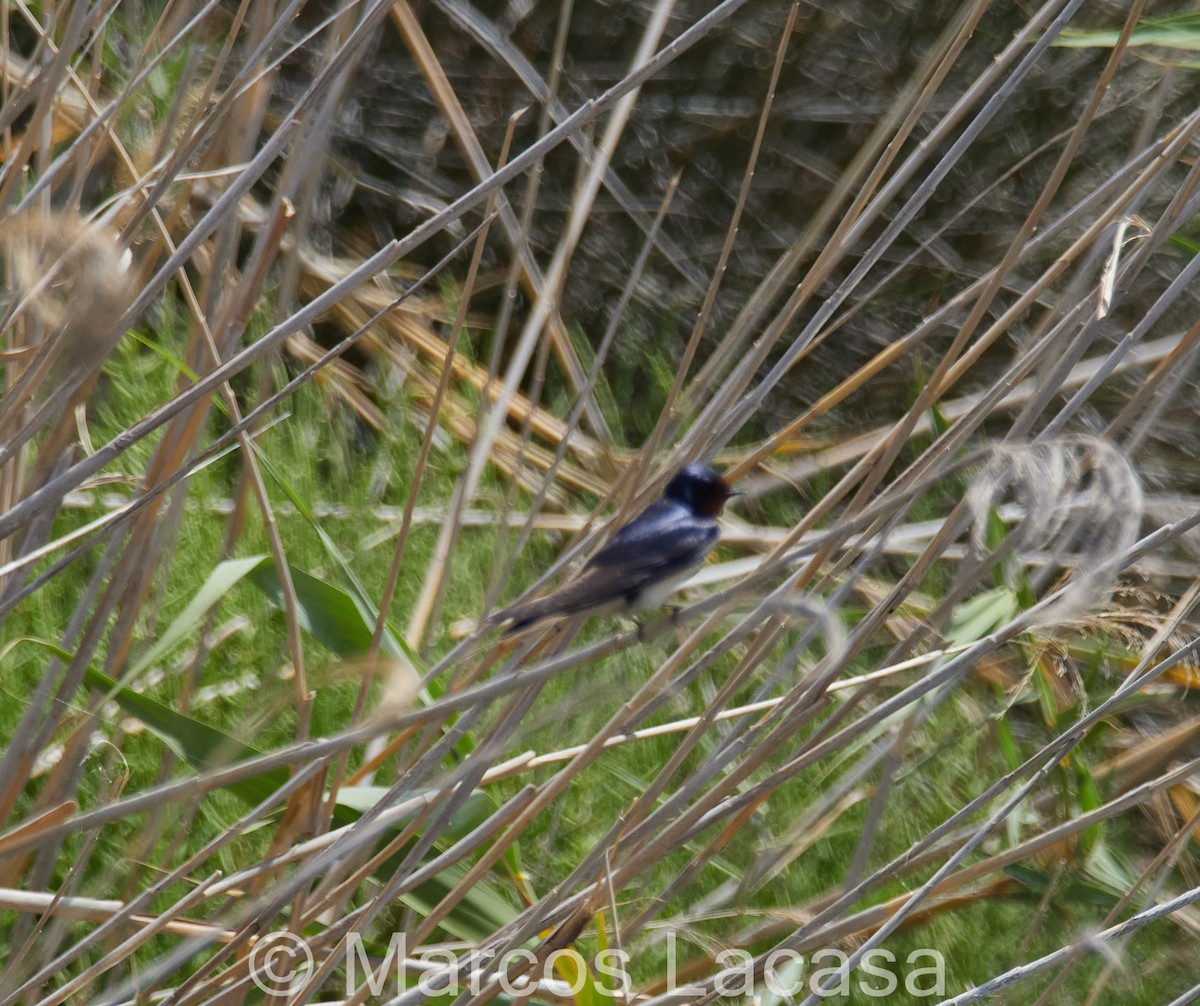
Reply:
x=646, y=560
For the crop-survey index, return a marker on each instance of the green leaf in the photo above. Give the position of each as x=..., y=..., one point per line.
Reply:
x=789, y=975
x=1089, y=800
x=1067, y=890
x=156, y=347
x=984, y=613
x=220, y=581
x=1184, y=244
x=938, y=422
x=327, y=612
x=201, y=746
x=1047, y=701
x=1106, y=869
x=1176, y=31
x=996, y=529
x=198, y=744
x=392, y=644
x=476, y=915
x=357, y=800
x=341, y=623
x=575, y=973
x=1007, y=743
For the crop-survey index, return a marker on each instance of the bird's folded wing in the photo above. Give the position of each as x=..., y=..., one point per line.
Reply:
x=637, y=558
x=623, y=567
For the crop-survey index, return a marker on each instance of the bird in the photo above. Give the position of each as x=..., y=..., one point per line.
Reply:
x=646, y=561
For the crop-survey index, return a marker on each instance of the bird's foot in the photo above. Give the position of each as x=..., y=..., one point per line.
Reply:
x=673, y=613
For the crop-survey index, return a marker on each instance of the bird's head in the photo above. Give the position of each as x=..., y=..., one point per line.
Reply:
x=700, y=489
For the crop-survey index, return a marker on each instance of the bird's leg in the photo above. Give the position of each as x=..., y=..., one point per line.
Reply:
x=673, y=613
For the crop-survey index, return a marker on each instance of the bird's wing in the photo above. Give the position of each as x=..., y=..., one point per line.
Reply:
x=639, y=554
